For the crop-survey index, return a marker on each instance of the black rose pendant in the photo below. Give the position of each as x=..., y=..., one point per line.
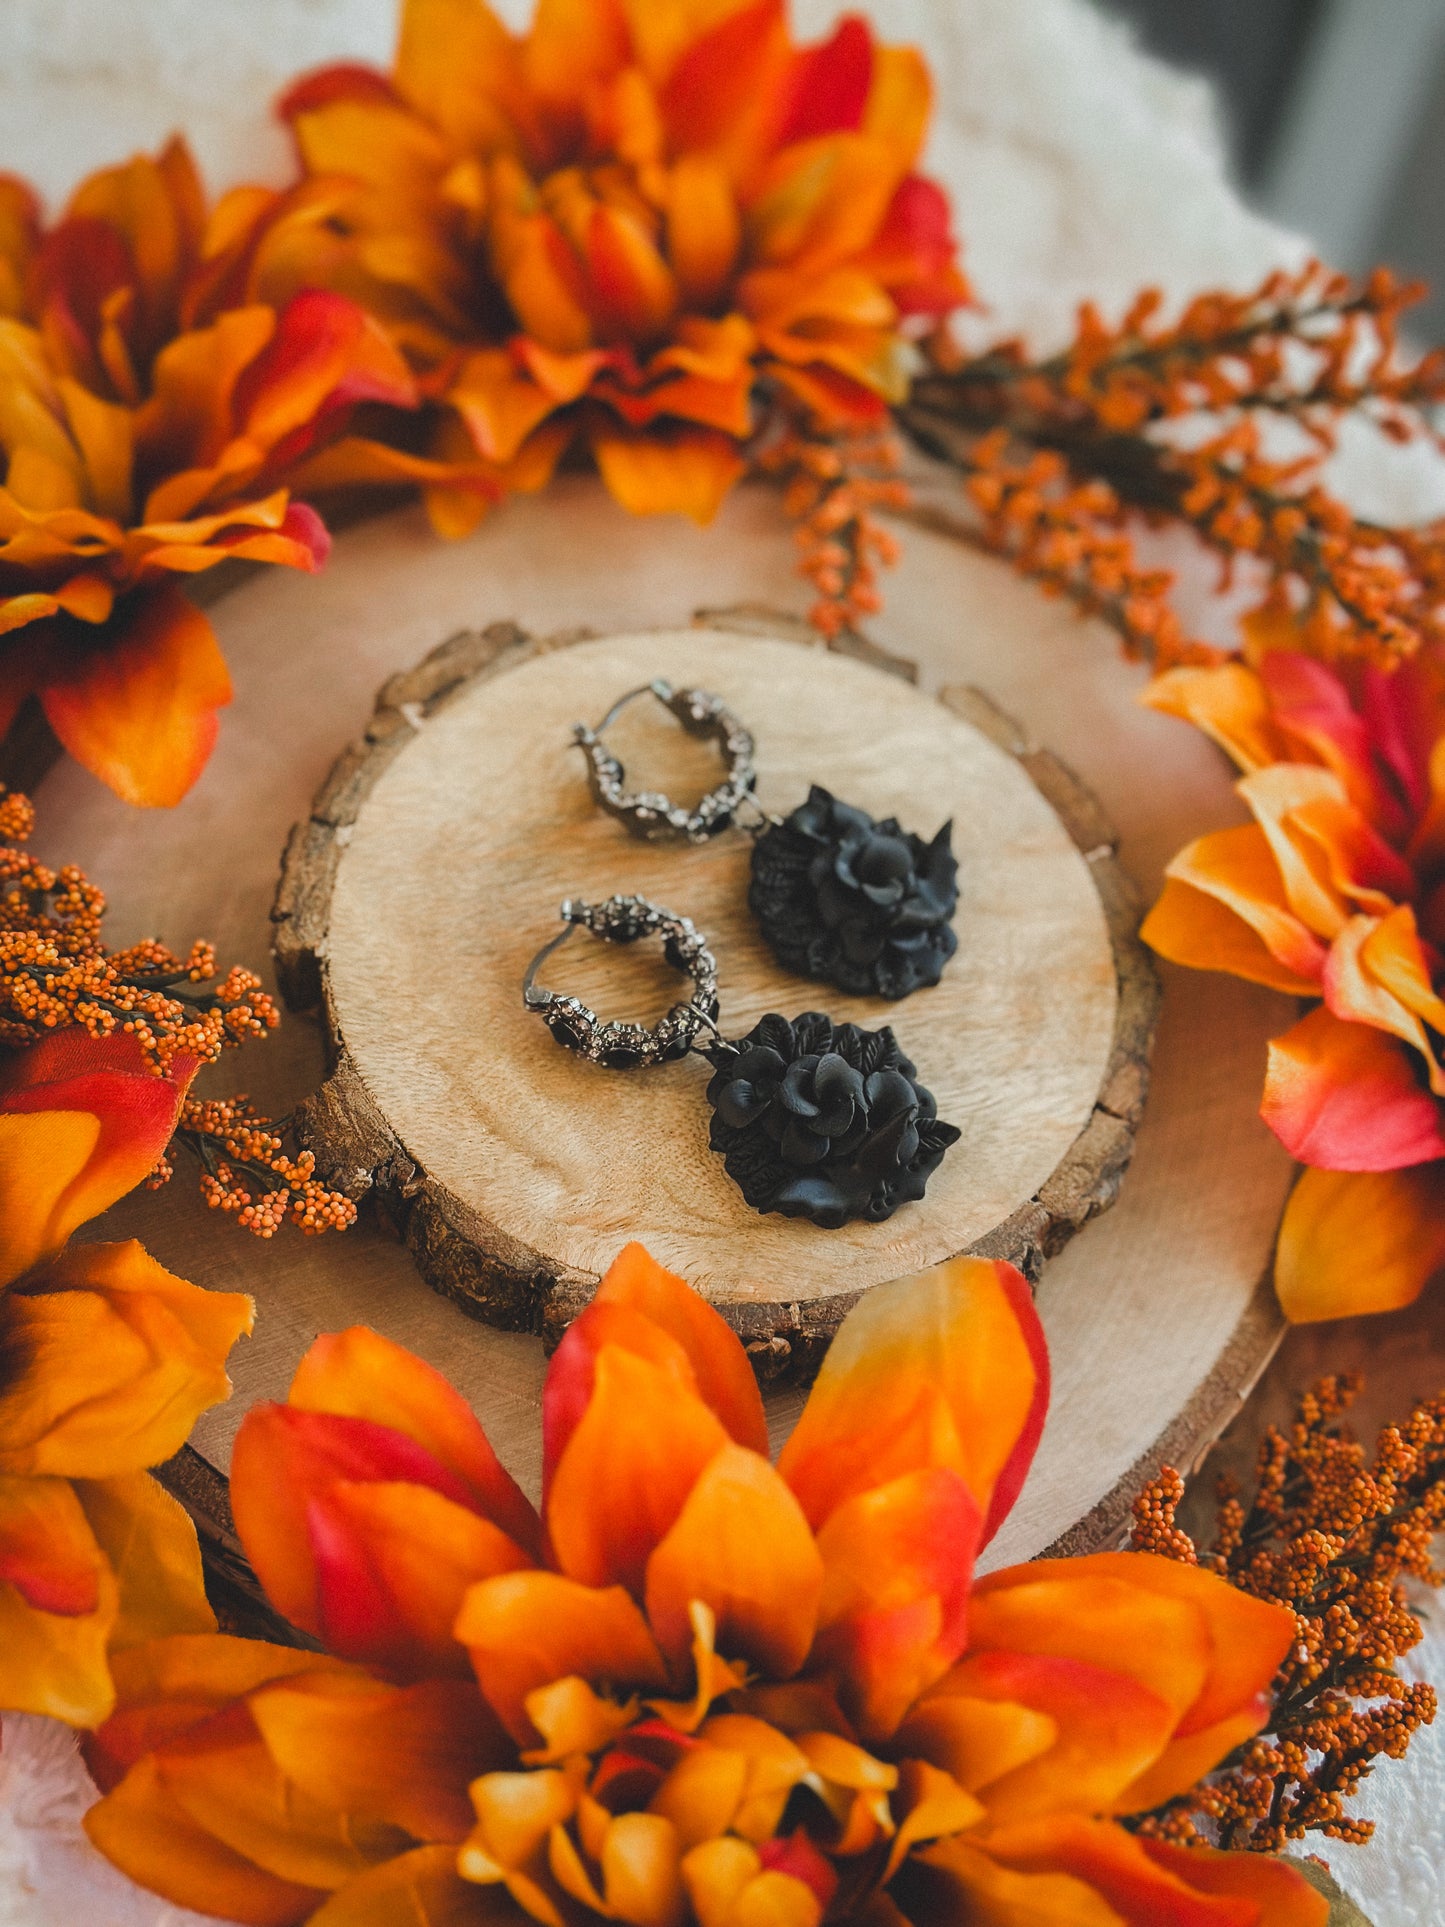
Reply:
x=858, y=903
x=823, y=1121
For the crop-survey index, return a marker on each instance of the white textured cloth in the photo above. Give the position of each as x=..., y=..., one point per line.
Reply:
x=1077, y=168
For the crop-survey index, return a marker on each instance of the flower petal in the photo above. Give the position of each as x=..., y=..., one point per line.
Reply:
x=529, y=1629
x=54, y=1176
x=1228, y=702
x=716, y=1365
x=114, y=1360
x=142, y=1828
x=48, y=1552
x=399, y=1755
x=946, y=1369
x=898, y=1560
x=55, y=1663
x=668, y=471
x=1224, y=907
x=1204, y=1648
x=422, y=1888
x=393, y=1564
x=359, y=1374
x=286, y=1462
x=138, y=708
x=742, y=1546
x=1346, y=1097
x=1357, y=1242
x=153, y=1551
x=627, y=1469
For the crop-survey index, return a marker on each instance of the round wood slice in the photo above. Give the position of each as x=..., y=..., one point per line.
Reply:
x=1158, y=1314
x=432, y=868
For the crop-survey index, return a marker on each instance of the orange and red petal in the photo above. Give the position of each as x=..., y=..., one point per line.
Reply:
x=1358, y=1242
x=946, y=1369
x=359, y=1374
x=1347, y=1097
x=109, y=1119
x=662, y=1318
x=393, y=1563
x=285, y=1458
x=893, y=1615
x=138, y=705
x=48, y=1552
x=625, y=1472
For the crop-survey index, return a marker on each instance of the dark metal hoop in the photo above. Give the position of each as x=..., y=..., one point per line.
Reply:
x=650, y=814
x=617, y=1045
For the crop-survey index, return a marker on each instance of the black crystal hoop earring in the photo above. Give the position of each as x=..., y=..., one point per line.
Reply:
x=841, y=896
x=812, y=1119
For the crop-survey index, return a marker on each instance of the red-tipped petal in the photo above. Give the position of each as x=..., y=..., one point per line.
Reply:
x=137, y=705
x=1346, y=1097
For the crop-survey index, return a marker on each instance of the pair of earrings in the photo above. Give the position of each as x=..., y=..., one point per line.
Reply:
x=863, y=905
x=812, y=1119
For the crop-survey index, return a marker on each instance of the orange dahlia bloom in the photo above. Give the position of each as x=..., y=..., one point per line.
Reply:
x=700, y=1689
x=637, y=223
x=1335, y=892
x=106, y=1362
x=151, y=413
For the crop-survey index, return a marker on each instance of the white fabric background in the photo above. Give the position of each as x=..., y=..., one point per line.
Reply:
x=1077, y=167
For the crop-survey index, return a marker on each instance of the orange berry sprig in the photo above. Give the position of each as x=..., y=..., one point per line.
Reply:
x=834, y=485
x=1332, y=1536
x=246, y=1172
x=55, y=972
x=1269, y=377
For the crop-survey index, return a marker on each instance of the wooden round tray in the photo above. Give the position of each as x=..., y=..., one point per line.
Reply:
x=1157, y=1318
x=432, y=866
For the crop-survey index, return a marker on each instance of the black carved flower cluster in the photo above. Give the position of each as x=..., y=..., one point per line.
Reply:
x=824, y=1121
x=861, y=904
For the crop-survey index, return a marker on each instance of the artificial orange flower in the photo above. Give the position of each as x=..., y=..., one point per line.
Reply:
x=150, y=426
x=106, y=1361
x=633, y=223
x=701, y=1690
x=1335, y=892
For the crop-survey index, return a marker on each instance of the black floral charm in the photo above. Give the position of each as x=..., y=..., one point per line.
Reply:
x=823, y=1121
x=861, y=904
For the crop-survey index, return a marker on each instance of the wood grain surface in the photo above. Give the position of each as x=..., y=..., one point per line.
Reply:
x=513, y=1167
x=1154, y=1316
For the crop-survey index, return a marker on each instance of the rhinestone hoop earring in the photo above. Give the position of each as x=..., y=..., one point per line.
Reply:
x=812, y=1119
x=841, y=896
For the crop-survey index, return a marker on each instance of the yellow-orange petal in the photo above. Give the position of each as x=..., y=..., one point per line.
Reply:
x=704, y=229
x=668, y=471
x=120, y=1359
x=742, y=1546
x=1357, y=1242
x=398, y=1755
x=55, y=1663
x=1228, y=702
x=423, y=1887
x=527, y=1629
x=359, y=1374
x=141, y=1828
x=41, y=1157
x=1224, y=907
x=946, y=1369
x=138, y=707
x=152, y=1549
x=957, y=1879
x=1275, y=795
x=627, y=1469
